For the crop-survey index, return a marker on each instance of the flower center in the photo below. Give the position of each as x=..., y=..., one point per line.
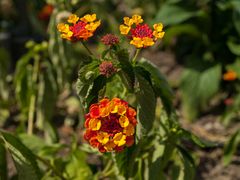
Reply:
x=78, y=28
x=142, y=31
x=111, y=125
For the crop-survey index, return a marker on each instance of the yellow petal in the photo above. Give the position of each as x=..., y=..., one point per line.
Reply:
x=109, y=146
x=94, y=124
x=137, y=42
x=93, y=26
x=73, y=18
x=158, y=27
x=128, y=21
x=103, y=137
x=89, y=18
x=137, y=19
x=148, y=41
x=129, y=130
x=123, y=121
x=121, y=109
x=124, y=29
x=158, y=35
x=63, y=27
x=119, y=139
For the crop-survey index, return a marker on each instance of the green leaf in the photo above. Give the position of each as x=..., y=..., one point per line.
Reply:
x=160, y=84
x=126, y=161
x=77, y=169
x=3, y=162
x=23, y=158
x=177, y=30
x=170, y=14
x=188, y=162
x=200, y=81
x=146, y=101
x=236, y=15
x=231, y=147
x=127, y=73
x=195, y=139
x=233, y=47
x=46, y=101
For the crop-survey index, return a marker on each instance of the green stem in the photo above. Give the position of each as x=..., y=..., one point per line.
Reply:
x=84, y=45
x=55, y=171
x=135, y=56
x=33, y=96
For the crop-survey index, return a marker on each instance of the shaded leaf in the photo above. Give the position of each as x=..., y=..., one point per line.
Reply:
x=23, y=158
x=160, y=84
x=146, y=101
x=3, y=162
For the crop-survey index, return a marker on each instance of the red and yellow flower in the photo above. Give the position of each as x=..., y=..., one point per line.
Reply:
x=110, y=125
x=79, y=28
x=141, y=35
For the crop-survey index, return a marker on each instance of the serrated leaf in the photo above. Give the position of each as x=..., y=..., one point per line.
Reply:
x=230, y=147
x=23, y=158
x=146, y=101
x=160, y=84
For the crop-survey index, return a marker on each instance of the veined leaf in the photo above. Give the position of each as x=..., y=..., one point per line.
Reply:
x=146, y=103
x=160, y=84
x=23, y=158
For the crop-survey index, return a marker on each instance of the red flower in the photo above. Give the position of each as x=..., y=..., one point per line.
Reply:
x=110, y=125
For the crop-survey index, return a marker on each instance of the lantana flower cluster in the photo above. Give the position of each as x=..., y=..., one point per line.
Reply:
x=110, y=125
x=79, y=28
x=141, y=35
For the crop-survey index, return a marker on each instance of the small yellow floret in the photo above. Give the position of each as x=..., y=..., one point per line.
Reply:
x=73, y=18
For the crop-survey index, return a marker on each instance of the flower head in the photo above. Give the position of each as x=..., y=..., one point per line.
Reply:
x=141, y=35
x=110, y=125
x=79, y=28
x=110, y=39
x=107, y=69
x=230, y=75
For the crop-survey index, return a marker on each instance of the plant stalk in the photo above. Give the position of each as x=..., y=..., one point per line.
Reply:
x=85, y=46
x=135, y=56
x=33, y=96
x=55, y=171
